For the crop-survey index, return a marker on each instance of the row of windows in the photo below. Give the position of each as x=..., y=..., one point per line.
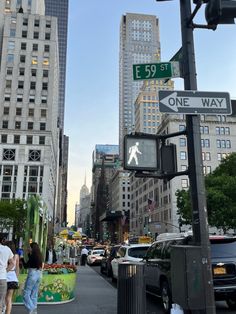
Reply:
x=34, y=59
x=21, y=85
x=10, y=154
x=205, y=143
x=9, y=71
x=43, y=112
x=19, y=98
x=30, y=125
x=205, y=130
x=29, y=139
x=205, y=155
x=24, y=34
x=11, y=46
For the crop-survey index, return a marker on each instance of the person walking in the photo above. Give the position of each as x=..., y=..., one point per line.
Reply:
x=73, y=254
x=84, y=254
x=6, y=264
x=12, y=277
x=34, y=265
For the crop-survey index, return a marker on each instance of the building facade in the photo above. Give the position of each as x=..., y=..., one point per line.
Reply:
x=29, y=81
x=139, y=43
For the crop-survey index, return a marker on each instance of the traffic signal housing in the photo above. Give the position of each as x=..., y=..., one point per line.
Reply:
x=220, y=12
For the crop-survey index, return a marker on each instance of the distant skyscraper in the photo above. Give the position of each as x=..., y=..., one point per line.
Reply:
x=139, y=43
x=59, y=8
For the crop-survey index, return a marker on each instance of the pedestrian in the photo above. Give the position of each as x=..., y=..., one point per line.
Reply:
x=34, y=265
x=84, y=254
x=73, y=254
x=6, y=264
x=51, y=256
x=12, y=277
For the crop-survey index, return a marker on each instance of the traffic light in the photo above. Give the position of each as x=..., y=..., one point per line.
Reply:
x=141, y=152
x=220, y=12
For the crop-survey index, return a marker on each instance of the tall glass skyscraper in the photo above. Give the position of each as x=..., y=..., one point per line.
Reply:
x=59, y=8
x=139, y=43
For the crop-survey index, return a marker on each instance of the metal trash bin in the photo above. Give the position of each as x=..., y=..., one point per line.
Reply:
x=131, y=298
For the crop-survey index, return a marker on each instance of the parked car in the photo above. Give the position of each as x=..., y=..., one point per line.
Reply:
x=106, y=260
x=128, y=253
x=158, y=267
x=95, y=256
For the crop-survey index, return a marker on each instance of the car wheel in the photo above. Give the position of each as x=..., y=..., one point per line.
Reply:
x=231, y=304
x=166, y=296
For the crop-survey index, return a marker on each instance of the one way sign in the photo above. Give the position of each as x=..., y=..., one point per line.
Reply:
x=194, y=102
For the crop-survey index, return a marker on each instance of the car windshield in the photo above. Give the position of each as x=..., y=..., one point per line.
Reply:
x=138, y=252
x=97, y=252
x=223, y=249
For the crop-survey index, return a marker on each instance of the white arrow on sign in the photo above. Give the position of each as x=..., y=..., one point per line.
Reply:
x=175, y=102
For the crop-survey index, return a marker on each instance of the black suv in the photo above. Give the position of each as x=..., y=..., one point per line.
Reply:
x=223, y=258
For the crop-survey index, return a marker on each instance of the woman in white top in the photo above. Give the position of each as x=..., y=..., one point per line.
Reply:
x=12, y=278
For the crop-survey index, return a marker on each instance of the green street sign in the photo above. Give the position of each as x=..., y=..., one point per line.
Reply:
x=160, y=70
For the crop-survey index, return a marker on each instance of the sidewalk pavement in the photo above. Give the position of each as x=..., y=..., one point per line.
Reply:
x=94, y=295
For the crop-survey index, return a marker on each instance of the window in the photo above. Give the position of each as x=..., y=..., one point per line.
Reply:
x=11, y=45
x=34, y=60
x=48, y=24
x=31, y=98
x=42, y=140
x=184, y=183
x=183, y=155
x=30, y=125
x=42, y=126
x=43, y=113
x=7, y=97
x=9, y=70
x=21, y=84
x=24, y=34
x=18, y=111
x=17, y=125
x=25, y=21
x=4, y=138
x=21, y=71
x=6, y=110
x=228, y=144
x=32, y=85
x=8, y=83
x=29, y=139
x=227, y=131
x=46, y=48
x=181, y=127
x=45, y=86
x=9, y=154
x=182, y=142
x=36, y=23
x=16, y=139
x=10, y=58
x=45, y=73
x=44, y=100
x=19, y=98
x=12, y=32
x=31, y=112
x=47, y=36
x=22, y=59
x=34, y=155
x=33, y=72
x=36, y=35
x=35, y=47
x=45, y=61
x=23, y=46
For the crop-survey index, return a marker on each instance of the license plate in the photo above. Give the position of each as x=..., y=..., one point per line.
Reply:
x=219, y=271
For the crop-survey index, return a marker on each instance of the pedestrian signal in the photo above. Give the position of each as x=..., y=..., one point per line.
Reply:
x=141, y=152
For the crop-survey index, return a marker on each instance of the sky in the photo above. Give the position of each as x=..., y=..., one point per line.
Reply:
x=92, y=83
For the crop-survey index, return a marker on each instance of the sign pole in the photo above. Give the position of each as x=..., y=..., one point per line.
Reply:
x=196, y=178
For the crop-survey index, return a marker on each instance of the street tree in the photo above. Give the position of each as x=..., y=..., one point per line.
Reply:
x=220, y=194
x=13, y=215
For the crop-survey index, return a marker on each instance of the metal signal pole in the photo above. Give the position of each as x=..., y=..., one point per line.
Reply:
x=196, y=178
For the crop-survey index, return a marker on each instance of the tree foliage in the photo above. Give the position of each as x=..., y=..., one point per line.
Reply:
x=13, y=214
x=220, y=195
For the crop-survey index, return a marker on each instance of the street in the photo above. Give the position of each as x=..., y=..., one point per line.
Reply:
x=153, y=304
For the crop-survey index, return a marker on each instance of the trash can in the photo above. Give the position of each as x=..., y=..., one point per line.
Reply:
x=131, y=294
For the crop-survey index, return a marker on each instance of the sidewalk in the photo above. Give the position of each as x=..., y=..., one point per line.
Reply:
x=94, y=295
